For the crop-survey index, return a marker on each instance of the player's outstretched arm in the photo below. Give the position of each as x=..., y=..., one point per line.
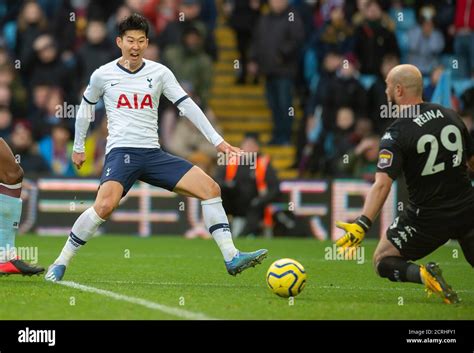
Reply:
x=83, y=120
x=377, y=195
x=355, y=232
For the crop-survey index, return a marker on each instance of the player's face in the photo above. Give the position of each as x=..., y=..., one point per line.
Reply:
x=133, y=45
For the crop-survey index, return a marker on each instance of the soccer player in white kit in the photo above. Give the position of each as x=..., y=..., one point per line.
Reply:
x=131, y=87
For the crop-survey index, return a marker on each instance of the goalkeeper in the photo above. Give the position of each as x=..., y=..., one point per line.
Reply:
x=433, y=148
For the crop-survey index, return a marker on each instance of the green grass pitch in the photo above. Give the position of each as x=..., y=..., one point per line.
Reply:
x=164, y=277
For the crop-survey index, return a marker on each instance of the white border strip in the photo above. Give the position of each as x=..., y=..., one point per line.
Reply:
x=188, y=315
x=11, y=187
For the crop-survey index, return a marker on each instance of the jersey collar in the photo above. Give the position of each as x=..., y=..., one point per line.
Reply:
x=131, y=72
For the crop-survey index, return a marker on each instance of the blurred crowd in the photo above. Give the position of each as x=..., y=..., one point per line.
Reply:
x=332, y=55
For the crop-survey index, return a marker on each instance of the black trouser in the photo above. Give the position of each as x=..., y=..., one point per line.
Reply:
x=243, y=42
x=253, y=219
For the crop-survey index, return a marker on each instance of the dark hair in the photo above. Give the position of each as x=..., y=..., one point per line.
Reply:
x=252, y=135
x=133, y=22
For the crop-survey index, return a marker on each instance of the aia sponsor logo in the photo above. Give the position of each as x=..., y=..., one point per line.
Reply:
x=135, y=102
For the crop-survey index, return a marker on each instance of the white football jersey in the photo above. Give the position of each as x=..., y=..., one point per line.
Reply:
x=131, y=101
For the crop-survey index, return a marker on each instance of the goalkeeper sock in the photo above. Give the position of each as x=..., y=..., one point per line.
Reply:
x=218, y=225
x=10, y=214
x=396, y=269
x=82, y=230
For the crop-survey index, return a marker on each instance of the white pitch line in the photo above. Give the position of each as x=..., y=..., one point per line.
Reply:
x=188, y=315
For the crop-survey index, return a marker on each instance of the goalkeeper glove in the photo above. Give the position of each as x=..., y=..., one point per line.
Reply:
x=355, y=232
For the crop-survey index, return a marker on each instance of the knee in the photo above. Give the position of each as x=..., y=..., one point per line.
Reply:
x=212, y=191
x=14, y=176
x=104, y=208
x=376, y=263
x=377, y=259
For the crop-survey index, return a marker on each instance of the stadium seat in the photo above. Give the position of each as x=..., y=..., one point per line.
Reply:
x=461, y=85
x=426, y=81
x=408, y=18
x=311, y=69
x=367, y=80
x=402, y=39
x=449, y=60
x=9, y=33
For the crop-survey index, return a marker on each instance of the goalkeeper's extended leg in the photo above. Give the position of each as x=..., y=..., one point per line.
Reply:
x=390, y=264
x=11, y=177
x=86, y=226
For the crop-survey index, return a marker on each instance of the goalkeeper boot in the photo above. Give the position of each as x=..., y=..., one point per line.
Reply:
x=55, y=273
x=244, y=260
x=19, y=267
x=431, y=275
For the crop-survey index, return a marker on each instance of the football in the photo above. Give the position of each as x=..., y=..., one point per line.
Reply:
x=286, y=278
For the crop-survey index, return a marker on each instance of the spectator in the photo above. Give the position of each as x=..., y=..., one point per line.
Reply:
x=425, y=43
x=247, y=189
x=112, y=27
x=8, y=78
x=31, y=23
x=362, y=162
x=63, y=29
x=243, y=18
x=466, y=116
x=342, y=140
x=189, y=12
x=434, y=78
x=311, y=128
x=208, y=15
x=444, y=19
x=45, y=67
x=360, y=14
x=4, y=57
x=464, y=37
x=160, y=13
x=337, y=35
x=467, y=99
x=47, y=100
x=5, y=96
x=275, y=48
x=373, y=40
x=190, y=63
x=95, y=52
x=95, y=151
x=152, y=52
x=56, y=150
x=22, y=144
x=376, y=94
x=363, y=128
x=5, y=122
x=343, y=90
x=187, y=142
